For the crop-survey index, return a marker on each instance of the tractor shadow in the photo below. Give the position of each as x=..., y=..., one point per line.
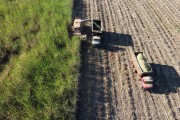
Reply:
x=115, y=42
x=166, y=79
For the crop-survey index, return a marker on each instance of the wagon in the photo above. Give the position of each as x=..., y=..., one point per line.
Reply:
x=96, y=33
x=145, y=76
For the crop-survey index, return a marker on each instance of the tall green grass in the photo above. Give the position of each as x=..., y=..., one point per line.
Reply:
x=38, y=61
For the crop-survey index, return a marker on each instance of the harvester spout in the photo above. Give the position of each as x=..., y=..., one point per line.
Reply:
x=85, y=20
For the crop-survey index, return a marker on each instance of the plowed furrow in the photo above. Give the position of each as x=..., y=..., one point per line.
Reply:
x=152, y=108
x=167, y=81
x=138, y=111
x=108, y=86
x=165, y=27
x=143, y=102
x=166, y=57
x=163, y=35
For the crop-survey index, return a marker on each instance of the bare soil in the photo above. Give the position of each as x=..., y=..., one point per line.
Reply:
x=108, y=86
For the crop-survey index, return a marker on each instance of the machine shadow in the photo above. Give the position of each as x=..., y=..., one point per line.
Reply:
x=166, y=79
x=114, y=42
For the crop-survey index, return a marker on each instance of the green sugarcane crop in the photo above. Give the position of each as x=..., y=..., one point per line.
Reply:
x=143, y=63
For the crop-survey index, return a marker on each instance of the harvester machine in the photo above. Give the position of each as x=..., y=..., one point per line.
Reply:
x=78, y=26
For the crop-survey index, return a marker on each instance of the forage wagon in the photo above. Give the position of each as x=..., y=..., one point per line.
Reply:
x=143, y=69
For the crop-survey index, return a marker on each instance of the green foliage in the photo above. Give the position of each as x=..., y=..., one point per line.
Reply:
x=38, y=61
x=143, y=63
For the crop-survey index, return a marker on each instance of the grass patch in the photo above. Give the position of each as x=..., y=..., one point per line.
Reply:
x=38, y=62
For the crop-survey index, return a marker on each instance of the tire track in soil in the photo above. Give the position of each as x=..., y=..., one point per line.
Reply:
x=109, y=89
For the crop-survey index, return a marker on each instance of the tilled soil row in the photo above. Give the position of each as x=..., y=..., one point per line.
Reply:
x=108, y=86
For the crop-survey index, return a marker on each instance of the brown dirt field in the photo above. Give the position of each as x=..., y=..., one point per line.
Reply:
x=108, y=86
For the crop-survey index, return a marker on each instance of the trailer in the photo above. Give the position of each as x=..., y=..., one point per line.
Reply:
x=96, y=33
x=144, y=75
